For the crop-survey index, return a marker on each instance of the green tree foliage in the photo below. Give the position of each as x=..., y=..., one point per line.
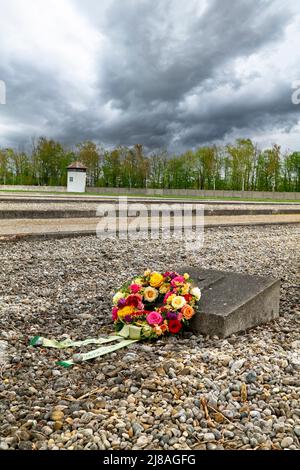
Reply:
x=291, y=172
x=49, y=160
x=241, y=163
x=90, y=155
x=4, y=167
x=238, y=166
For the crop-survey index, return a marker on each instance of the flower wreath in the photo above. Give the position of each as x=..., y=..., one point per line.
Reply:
x=156, y=304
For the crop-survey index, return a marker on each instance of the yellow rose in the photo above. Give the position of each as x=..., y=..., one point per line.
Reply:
x=185, y=289
x=170, y=298
x=125, y=311
x=150, y=294
x=178, y=302
x=186, y=276
x=164, y=288
x=138, y=281
x=156, y=279
x=147, y=272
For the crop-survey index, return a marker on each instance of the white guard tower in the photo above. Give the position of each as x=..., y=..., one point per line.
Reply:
x=76, y=177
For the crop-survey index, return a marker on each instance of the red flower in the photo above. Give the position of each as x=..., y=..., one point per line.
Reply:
x=188, y=297
x=174, y=326
x=134, y=300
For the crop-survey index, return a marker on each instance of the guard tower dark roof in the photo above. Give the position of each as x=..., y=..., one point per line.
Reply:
x=76, y=166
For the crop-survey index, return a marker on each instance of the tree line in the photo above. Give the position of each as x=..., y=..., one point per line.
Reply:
x=239, y=166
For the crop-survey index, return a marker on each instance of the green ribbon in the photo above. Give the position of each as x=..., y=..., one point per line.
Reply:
x=129, y=333
x=77, y=358
x=52, y=343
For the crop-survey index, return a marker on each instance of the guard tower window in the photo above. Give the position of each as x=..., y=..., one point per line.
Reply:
x=71, y=179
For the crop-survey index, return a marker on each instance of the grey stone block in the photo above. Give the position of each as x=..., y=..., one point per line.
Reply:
x=233, y=302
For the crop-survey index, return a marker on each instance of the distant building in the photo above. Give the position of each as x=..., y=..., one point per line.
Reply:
x=76, y=177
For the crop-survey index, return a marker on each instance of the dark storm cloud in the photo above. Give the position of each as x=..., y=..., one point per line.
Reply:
x=157, y=74
x=146, y=63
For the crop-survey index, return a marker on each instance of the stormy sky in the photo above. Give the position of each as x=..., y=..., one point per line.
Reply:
x=169, y=74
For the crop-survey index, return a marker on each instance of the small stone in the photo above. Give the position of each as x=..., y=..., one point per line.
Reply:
x=159, y=411
x=130, y=357
x=57, y=415
x=86, y=418
x=297, y=430
x=3, y=445
x=25, y=445
x=255, y=414
x=279, y=428
x=286, y=442
x=219, y=418
x=209, y=436
x=137, y=429
x=142, y=441
x=56, y=373
x=236, y=365
x=253, y=442
x=47, y=430
x=186, y=371
x=58, y=425
x=225, y=359
x=211, y=446
x=251, y=377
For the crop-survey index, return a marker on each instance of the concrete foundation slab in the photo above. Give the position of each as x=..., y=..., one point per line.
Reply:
x=233, y=302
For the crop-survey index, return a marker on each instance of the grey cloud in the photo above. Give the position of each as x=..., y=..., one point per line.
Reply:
x=154, y=55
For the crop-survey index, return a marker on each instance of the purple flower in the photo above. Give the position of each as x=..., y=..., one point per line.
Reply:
x=171, y=316
x=173, y=274
x=128, y=318
x=122, y=303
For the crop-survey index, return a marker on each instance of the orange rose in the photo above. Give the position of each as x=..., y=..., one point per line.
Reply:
x=161, y=329
x=164, y=327
x=187, y=312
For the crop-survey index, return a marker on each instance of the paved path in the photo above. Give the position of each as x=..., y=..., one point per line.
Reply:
x=49, y=212
x=82, y=226
x=75, y=198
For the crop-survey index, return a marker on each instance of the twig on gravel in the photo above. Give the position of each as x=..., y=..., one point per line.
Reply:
x=206, y=412
x=225, y=417
x=92, y=392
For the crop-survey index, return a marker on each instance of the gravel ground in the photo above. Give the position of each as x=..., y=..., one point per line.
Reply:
x=93, y=205
x=187, y=393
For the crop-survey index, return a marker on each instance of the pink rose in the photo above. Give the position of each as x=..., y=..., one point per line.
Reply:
x=177, y=280
x=179, y=316
x=134, y=288
x=154, y=318
x=167, y=296
x=114, y=313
